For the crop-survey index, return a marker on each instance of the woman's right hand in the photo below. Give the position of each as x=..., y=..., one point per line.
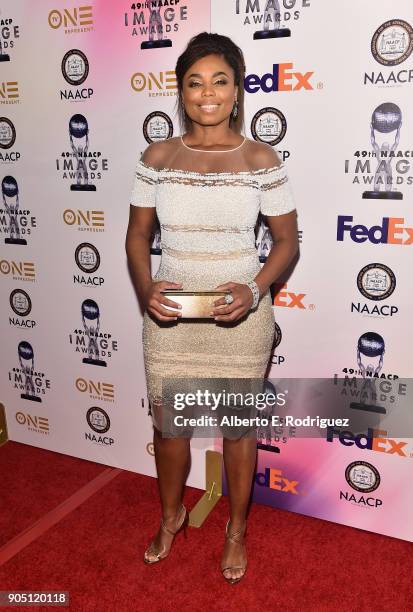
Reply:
x=155, y=301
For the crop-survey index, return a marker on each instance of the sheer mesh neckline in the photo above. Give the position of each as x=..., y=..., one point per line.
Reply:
x=239, y=173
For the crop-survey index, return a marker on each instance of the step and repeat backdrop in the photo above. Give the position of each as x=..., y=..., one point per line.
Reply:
x=84, y=88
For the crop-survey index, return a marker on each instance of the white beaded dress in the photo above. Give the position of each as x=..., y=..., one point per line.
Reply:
x=207, y=222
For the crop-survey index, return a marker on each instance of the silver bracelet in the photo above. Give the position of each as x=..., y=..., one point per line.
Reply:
x=255, y=293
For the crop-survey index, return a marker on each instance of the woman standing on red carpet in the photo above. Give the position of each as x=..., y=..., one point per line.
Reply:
x=207, y=188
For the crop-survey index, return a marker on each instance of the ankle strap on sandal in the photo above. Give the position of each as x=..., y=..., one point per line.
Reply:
x=168, y=529
x=235, y=536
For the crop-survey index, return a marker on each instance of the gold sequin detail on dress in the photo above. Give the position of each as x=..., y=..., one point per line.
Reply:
x=207, y=225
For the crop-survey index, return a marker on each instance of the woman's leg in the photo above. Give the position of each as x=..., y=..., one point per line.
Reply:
x=239, y=460
x=172, y=457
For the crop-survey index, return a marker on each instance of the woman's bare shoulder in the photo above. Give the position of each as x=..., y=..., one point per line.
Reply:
x=157, y=154
x=261, y=155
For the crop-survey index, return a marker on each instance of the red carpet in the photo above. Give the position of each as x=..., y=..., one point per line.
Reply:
x=94, y=549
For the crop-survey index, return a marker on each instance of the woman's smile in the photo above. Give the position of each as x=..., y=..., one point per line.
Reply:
x=209, y=108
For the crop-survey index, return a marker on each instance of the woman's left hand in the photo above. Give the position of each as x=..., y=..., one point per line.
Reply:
x=242, y=295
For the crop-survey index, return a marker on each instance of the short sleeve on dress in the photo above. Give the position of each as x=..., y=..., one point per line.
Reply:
x=144, y=186
x=276, y=196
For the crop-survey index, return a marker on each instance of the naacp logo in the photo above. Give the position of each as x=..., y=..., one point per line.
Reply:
x=87, y=257
x=376, y=281
x=362, y=476
x=75, y=67
x=277, y=335
x=392, y=42
x=20, y=302
x=7, y=133
x=157, y=126
x=269, y=125
x=98, y=419
x=276, y=359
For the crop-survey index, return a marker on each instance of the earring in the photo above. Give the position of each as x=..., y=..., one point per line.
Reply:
x=235, y=110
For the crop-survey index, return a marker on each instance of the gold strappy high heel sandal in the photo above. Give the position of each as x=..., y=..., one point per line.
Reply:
x=237, y=538
x=151, y=554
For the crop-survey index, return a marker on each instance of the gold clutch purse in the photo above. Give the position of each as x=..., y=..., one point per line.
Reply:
x=195, y=304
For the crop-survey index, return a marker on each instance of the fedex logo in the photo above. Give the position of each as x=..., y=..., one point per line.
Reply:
x=391, y=231
x=374, y=439
x=282, y=78
x=287, y=299
x=273, y=479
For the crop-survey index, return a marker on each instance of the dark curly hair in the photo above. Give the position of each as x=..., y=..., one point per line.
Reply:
x=206, y=43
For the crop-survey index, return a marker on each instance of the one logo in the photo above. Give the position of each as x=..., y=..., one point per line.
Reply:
x=96, y=389
x=20, y=270
x=391, y=231
x=20, y=302
x=150, y=449
x=75, y=67
x=362, y=476
x=376, y=281
x=9, y=92
x=35, y=423
x=75, y=20
x=157, y=126
x=98, y=420
x=282, y=78
x=160, y=84
x=7, y=133
x=89, y=220
x=269, y=125
x=87, y=257
x=392, y=42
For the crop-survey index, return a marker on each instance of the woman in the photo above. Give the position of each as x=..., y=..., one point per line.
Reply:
x=207, y=188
